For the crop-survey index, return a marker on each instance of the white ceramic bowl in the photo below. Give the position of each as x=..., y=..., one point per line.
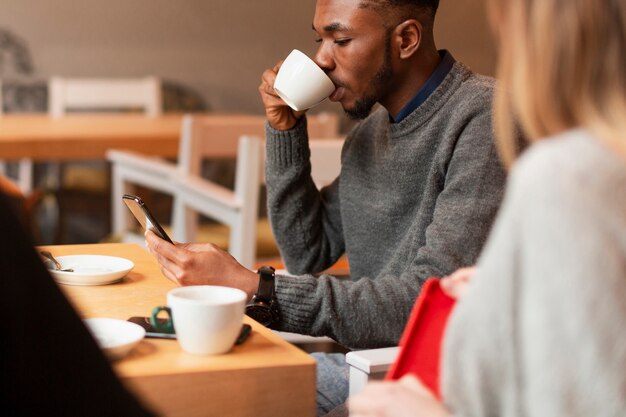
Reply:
x=115, y=337
x=91, y=269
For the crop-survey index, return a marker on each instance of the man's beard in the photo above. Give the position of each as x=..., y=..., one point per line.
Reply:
x=363, y=106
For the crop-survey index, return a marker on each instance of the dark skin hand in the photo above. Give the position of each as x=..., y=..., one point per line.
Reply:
x=279, y=115
x=201, y=264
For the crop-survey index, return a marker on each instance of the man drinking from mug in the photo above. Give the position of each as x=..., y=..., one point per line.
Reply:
x=419, y=187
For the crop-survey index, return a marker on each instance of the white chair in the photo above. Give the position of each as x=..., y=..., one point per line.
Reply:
x=202, y=137
x=98, y=94
x=368, y=365
x=206, y=137
x=82, y=182
x=239, y=208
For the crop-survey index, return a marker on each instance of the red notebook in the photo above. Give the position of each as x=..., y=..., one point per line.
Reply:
x=420, y=345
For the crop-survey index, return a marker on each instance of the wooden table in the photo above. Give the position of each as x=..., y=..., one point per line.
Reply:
x=86, y=136
x=265, y=376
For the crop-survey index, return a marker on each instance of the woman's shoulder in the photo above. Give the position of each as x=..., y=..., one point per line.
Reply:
x=574, y=161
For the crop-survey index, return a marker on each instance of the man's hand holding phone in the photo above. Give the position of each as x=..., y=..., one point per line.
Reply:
x=191, y=263
x=201, y=264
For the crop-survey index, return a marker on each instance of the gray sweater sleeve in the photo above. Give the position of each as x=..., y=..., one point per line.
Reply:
x=369, y=313
x=305, y=221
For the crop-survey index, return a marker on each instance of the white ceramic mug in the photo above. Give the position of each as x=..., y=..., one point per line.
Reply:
x=301, y=83
x=207, y=319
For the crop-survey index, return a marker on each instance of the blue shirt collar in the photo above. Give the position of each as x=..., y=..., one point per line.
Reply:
x=435, y=79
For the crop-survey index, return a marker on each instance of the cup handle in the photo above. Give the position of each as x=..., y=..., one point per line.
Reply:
x=167, y=326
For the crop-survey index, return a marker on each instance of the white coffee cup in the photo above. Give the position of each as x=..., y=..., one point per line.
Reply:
x=301, y=83
x=207, y=319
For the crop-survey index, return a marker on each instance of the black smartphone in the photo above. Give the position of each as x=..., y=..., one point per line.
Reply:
x=144, y=322
x=246, y=329
x=144, y=217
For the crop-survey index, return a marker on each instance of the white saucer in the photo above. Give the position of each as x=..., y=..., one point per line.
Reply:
x=115, y=337
x=91, y=269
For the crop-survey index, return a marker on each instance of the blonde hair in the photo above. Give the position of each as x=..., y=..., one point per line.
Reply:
x=562, y=65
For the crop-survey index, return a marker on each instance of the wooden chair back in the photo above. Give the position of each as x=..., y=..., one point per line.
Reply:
x=208, y=137
x=101, y=94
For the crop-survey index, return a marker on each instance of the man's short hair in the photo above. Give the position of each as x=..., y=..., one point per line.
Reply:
x=428, y=4
x=411, y=8
x=432, y=5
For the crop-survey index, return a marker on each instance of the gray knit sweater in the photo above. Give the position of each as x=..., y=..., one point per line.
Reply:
x=540, y=331
x=414, y=199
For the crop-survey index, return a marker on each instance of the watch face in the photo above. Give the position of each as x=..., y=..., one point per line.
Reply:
x=260, y=313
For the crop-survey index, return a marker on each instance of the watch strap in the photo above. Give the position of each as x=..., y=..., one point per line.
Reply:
x=265, y=292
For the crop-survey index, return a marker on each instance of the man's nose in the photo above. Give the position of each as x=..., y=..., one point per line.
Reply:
x=324, y=59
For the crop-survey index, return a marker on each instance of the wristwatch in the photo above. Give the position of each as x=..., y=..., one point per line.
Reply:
x=264, y=307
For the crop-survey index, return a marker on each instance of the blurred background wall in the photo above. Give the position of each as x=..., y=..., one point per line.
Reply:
x=217, y=48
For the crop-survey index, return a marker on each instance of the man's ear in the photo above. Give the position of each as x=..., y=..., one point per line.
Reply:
x=408, y=35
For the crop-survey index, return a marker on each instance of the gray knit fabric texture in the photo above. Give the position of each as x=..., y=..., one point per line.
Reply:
x=540, y=331
x=414, y=199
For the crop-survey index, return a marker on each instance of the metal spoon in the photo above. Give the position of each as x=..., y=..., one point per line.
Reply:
x=57, y=265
